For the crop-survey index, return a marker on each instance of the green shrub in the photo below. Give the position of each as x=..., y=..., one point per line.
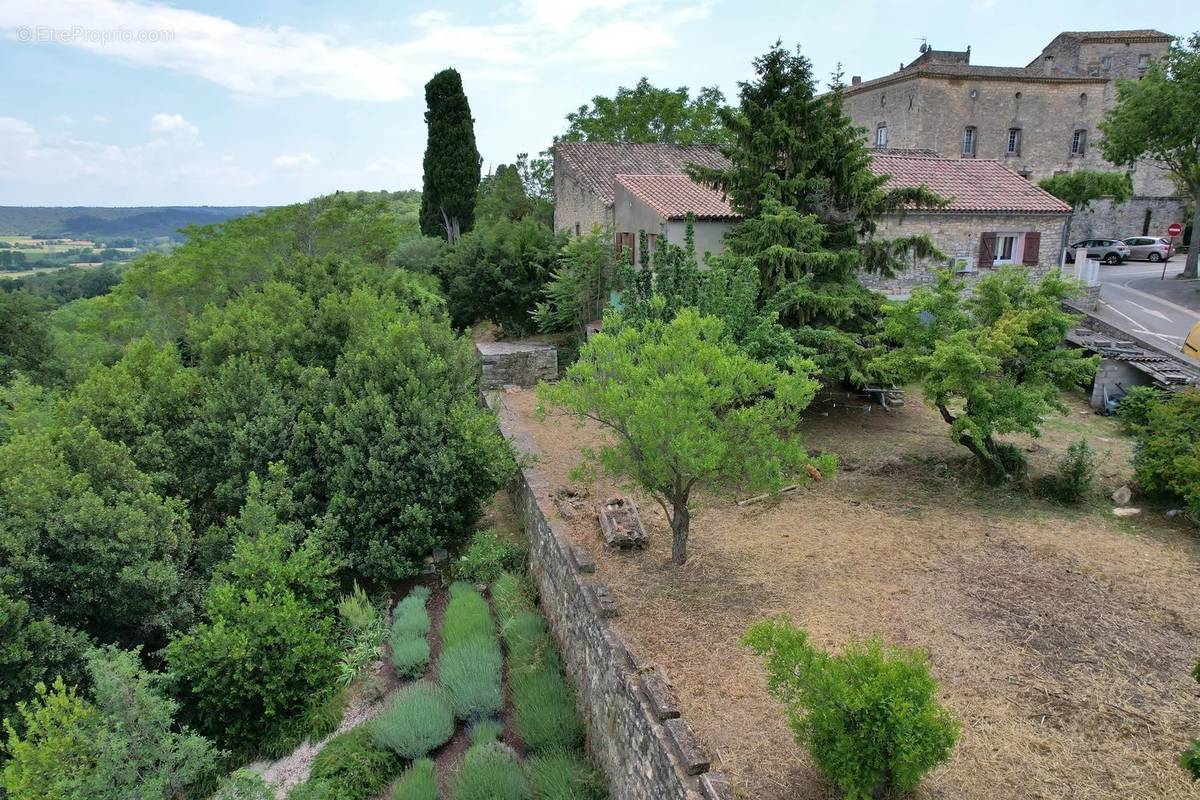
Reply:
x=410, y=617
x=467, y=616
x=410, y=657
x=545, y=712
x=563, y=776
x=244, y=785
x=530, y=646
x=352, y=762
x=486, y=730
x=1075, y=476
x=1167, y=460
x=419, y=720
x=315, y=790
x=357, y=610
x=1133, y=409
x=489, y=554
x=315, y=724
x=511, y=594
x=470, y=674
x=490, y=772
x=419, y=782
x=869, y=717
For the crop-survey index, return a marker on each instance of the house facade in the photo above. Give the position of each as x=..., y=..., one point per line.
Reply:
x=1039, y=120
x=993, y=215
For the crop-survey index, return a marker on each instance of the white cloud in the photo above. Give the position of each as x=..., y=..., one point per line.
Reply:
x=156, y=170
x=100, y=119
x=302, y=160
x=173, y=125
x=63, y=119
x=277, y=61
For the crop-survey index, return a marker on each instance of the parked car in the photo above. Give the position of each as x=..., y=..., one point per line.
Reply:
x=1110, y=251
x=1151, y=248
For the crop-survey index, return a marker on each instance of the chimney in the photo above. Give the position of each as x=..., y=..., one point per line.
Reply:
x=1048, y=62
x=968, y=61
x=855, y=80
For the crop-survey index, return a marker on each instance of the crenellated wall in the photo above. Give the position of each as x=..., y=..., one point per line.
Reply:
x=635, y=733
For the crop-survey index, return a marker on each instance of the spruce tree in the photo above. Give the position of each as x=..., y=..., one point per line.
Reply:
x=800, y=175
x=452, y=162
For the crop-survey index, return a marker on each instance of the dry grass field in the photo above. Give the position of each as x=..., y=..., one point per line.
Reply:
x=1063, y=639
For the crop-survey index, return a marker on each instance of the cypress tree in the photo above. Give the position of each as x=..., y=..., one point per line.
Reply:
x=452, y=162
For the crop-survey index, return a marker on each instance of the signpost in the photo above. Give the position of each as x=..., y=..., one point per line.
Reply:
x=1173, y=230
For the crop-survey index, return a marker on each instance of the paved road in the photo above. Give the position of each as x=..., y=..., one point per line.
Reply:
x=1134, y=298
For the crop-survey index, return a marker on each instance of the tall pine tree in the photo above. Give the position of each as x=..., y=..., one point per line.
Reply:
x=452, y=162
x=800, y=175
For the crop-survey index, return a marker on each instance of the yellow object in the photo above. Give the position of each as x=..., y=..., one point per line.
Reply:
x=1191, y=345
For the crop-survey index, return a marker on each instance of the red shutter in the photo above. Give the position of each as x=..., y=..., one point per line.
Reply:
x=1033, y=243
x=631, y=245
x=987, y=250
x=620, y=239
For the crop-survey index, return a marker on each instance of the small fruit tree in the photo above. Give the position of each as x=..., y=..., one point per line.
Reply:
x=687, y=410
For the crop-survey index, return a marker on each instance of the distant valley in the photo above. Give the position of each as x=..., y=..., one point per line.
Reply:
x=100, y=222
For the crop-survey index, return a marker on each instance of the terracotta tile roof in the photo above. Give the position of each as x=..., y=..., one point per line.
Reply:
x=969, y=184
x=674, y=196
x=597, y=164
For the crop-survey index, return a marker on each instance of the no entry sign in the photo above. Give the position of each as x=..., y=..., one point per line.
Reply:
x=1174, y=229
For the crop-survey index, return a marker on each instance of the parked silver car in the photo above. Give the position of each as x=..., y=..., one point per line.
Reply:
x=1110, y=251
x=1150, y=248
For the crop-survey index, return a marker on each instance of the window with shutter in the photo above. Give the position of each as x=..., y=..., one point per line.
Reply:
x=1033, y=245
x=987, y=250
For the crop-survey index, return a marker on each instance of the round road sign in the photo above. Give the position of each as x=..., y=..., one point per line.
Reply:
x=1174, y=229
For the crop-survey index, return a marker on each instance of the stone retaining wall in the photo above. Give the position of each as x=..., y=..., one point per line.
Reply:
x=636, y=735
x=521, y=364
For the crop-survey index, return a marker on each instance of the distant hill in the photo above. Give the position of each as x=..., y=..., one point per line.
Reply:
x=85, y=222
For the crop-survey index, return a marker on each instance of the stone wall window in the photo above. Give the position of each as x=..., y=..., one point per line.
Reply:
x=1106, y=62
x=881, y=136
x=1078, y=142
x=968, y=142
x=1144, y=61
x=1009, y=248
x=1013, y=145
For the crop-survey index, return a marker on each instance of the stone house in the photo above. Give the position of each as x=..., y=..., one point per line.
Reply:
x=993, y=217
x=1040, y=120
x=585, y=176
x=659, y=204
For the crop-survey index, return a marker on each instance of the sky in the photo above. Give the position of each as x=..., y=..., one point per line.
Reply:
x=221, y=102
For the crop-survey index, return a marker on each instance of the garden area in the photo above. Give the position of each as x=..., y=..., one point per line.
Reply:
x=467, y=700
x=1062, y=637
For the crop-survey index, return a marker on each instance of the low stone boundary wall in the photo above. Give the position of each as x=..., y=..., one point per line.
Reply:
x=635, y=732
x=521, y=364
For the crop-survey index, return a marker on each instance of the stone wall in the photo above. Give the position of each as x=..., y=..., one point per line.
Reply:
x=636, y=735
x=1106, y=219
x=576, y=209
x=958, y=235
x=521, y=364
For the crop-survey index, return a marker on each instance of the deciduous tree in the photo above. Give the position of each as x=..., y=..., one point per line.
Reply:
x=1157, y=117
x=1081, y=187
x=686, y=410
x=992, y=363
x=646, y=113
